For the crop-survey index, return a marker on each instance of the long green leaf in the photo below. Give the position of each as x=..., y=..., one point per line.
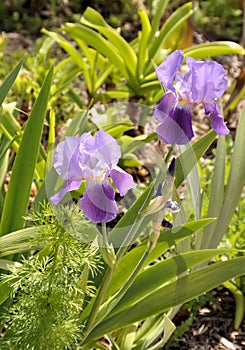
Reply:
x=166, y=240
x=17, y=197
x=7, y=264
x=94, y=39
x=188, y=159
x=214, y=48
x=157, y=16
x=94, y=20
x=235, y=185
x=143, y=42
x=217, y=191
x=161, y=273
x=178, y=17
x=182, y=290
x=9, y=80
x=18, y=241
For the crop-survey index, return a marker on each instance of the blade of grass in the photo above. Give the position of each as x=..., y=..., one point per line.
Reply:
x=17, y=197
x=8, y=82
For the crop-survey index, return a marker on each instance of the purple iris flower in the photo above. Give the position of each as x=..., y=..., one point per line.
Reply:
x=205, y=82
x=93, y=159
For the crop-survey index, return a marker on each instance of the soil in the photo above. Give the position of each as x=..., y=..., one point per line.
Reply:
x=213, y=328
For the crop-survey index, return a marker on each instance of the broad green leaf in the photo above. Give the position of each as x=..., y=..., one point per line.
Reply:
x=8, y=264
x=166, y=240
x=18, y=241
x=235, y=184
x=184, y=289
x=9, y=80
x=17, y=197
x=217, y=191
x=161, y=273
x=94, y=39
x=5, y=291
x=214, y=48
x=189, y=158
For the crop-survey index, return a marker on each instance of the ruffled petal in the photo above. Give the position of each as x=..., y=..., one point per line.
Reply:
x=168, y=68
x=122, y=180
x=98, y=202
x=164, y=107
x=207, y=79
x=176, y=128
x=65, y=158
x=216, y=118
x=67, y=187
x=98, y=153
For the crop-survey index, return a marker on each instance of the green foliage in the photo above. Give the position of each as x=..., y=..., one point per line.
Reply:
x=50, y=289
x=105, y=57
x=220, y=19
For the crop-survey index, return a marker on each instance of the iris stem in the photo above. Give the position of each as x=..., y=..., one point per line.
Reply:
x=103, y=288
x=115, y=299
x=171, y=149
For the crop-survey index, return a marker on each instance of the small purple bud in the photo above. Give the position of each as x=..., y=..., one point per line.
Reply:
x=167, y=224
x=172, y=166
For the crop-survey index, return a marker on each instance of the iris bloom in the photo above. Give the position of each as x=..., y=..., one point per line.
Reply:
x=93, y=159
x=204, y=82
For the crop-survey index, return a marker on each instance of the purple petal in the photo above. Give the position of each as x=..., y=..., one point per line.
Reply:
x=67, y=187
x=168, y=68
x=176, y=127
x=208, y=80
x=167, y=103
x=98, y=202
x=65, y=158
x=98, y=153
x=216, y=118
x=122, y=180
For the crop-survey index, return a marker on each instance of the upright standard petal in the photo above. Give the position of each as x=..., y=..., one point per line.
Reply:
x=98, y=153
x=176, y=127
x=168, y=68
x=122, y=180
x=65, y=158
x=208, y=80
x=216, y=118
x=98, y=202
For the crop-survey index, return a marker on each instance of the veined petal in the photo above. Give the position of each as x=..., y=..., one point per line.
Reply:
x=176, y=127
x=207, y=79
x=98, y=202
x=164, y=107
x=216, y=118
x=168, y=68
x=122, y=180
x=65, y=158
x=98, y=153
x=67, y=187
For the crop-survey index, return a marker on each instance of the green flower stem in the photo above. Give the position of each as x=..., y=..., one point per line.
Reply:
x=168, y=156
x=107, y=279
x=114, y=300
x=103, y=288
x=99, y=299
